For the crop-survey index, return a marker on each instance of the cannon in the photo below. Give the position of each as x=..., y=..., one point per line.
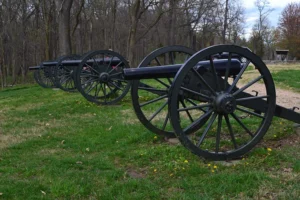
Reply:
x=209, y=101
x=97, y=75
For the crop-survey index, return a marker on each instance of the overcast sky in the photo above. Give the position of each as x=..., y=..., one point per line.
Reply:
x=251, y=12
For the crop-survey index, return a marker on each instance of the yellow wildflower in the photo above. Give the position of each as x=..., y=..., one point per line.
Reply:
x=155, y=137
x=186, y=161
x=269, y=149
x=215, y=167
x=208, y=165
x=155, y=170
x=213, y=171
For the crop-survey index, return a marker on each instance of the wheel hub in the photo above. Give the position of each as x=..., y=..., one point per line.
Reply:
x=104, y=77
x=224, y=104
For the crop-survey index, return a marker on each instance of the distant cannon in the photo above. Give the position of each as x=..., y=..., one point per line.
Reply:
x=97, y=75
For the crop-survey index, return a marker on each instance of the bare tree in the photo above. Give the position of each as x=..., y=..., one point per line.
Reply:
x=63, y=12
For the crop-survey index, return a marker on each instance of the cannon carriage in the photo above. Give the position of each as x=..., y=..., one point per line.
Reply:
x=210, y=103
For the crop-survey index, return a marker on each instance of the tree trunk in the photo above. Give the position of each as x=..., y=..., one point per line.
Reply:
x=63, y=8
x=132, y=31
x=225, y=23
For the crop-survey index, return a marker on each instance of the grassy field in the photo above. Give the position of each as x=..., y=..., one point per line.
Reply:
x=56, y=145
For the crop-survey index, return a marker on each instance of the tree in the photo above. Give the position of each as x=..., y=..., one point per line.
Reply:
x=63, y=10
x=289, y=26
x=261, y=27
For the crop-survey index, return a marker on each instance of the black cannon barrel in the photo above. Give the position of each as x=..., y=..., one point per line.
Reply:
x=49, y=63
x=34, y=68
x=167, y=71
x=114, y=61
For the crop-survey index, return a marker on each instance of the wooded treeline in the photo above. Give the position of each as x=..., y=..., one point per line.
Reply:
x=32, y=31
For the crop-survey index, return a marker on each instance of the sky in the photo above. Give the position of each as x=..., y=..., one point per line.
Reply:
x=251, y=13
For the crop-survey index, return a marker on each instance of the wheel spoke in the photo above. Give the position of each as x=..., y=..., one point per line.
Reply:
x=187, y=112
x=161, y=82
x=251, y=113
x=194, y=107
x=203, y=81
x=166, y=121
x=109, y=63
x=158, y=111
x=241, y=123
x=238, y=77
x=104, y=92
x=252, y=98
x=116, y=67
x=172, y=59
x=194, y=104
x=195, y=123
x=92, y=68
x=153, y=100
x=218, y=133
x=116, y=74
x=150, y=89
x=159, y=64
x=248, y=85
x=210, y=123
x=196, y=93
x=213, y=70
x=121, y=80
x=92, y=86
x=227, y=70
x=230, y=131
x=115, y=85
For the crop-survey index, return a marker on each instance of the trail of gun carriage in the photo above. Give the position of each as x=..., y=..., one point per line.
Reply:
x=149, y=99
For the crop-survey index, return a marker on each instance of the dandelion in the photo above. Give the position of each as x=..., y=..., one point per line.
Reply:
x=155, y=137
x=269, y=149
x=213, y=171
x=155, y=170
x=208, y=165
x=215, y=167
x=186, y=161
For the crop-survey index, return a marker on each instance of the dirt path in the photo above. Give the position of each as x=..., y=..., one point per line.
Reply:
x=285, y=98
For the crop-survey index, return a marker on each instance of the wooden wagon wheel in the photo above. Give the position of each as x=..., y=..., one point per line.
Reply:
x=45, y=75
x=99, y=77
x=228, y=134
x=150, y=97
x=64, y=75
x=36, y=77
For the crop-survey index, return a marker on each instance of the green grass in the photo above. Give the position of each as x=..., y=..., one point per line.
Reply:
x=288, y=79
x=56, y=145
